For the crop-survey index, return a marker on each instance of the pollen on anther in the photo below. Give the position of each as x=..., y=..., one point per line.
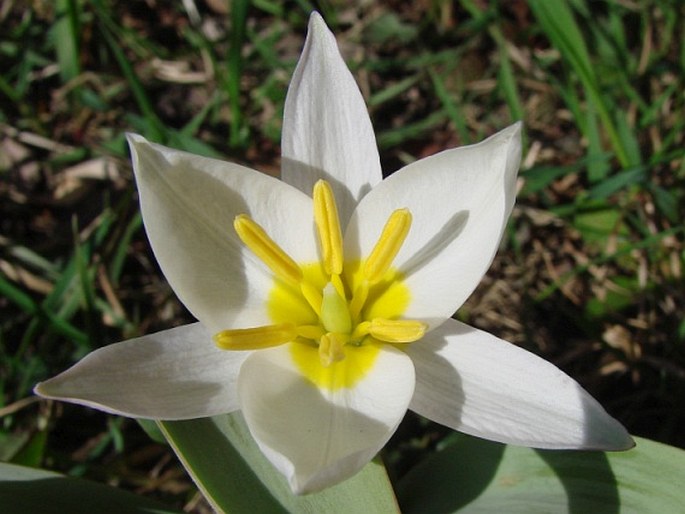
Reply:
x=389, y=243
x=268, y=251
x=328, y=227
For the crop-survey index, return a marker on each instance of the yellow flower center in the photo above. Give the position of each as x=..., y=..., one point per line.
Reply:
x=334, y=313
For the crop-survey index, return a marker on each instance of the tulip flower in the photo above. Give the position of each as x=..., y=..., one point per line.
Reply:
x=324, y=299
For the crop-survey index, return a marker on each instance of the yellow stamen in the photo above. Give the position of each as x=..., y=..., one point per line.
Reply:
x=334, y=313
x=331, y=349
x=312, y=295
x=360, y=331
x=397, y=331
x=359, y=297
x=257, y=240
x=389, y=243
x=328, y=226
x=339, y=286
x=333, y=316
x=256, y=338
x=312, y=332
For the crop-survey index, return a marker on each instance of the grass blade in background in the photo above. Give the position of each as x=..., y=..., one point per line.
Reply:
x=66, y=33
x=557, y=21
x=455, y=114
x=24, y=301
x=238, y=132
x=156, y=130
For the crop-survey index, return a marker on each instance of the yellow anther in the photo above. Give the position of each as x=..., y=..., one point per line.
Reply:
x=328, y=226
x=313, y=332
x=256, y=338
x=360, y=331
x=331, y=349
x=388, y=245
x=312, y=295
x=259, y=242
x=397, y=331
x=361, y=293
x=335, y=315
x=339, y=286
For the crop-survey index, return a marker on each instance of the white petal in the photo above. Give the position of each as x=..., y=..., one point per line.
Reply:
x=327, y=132
x=316, y=437
x=473, y=382
x=174, y=374
x=189, y=204
x=460, y=200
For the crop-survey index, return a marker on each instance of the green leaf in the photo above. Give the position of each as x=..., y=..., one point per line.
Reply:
x=66, y=35
x=597, y=224
x=151, y=428
x=622, y=180
x=31, y=453
x=11, y=444
x=389, y=27
x=24, y=490
x=226, y=464
x=539, y=177
x=598, y=162
x=473, y=475
x=666, y=200
x=620, y=293
x=451, y=107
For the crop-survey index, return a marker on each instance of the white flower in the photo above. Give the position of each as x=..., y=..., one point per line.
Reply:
x=324, y=336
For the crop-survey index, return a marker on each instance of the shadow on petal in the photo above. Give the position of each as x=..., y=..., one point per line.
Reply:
x=345, y=199
x=473, y=382
x=317, y=443
x=435, y=375
x=447, y=234
x=318, y=437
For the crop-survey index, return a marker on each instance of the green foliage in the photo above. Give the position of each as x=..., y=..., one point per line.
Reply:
x=24, y=489
x=234, y=476
x=472, y=475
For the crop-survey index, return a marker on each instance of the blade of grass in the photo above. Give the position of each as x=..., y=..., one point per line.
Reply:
x=156, y=129
x=628, y=139
x=621, y=180
x=64, y=300
x=505, y=74
x=66, y=32
x=558, y=23
x=265, y=46
x=396, y=136
x=238, y=130
x=8, y=90
x=603, y=259
x=85, y=280
x=506, y=78
x=273, y=8
x=28, y=305
x=450, y=107
x=121, y=252
x=597, y=165
x=392, y=91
